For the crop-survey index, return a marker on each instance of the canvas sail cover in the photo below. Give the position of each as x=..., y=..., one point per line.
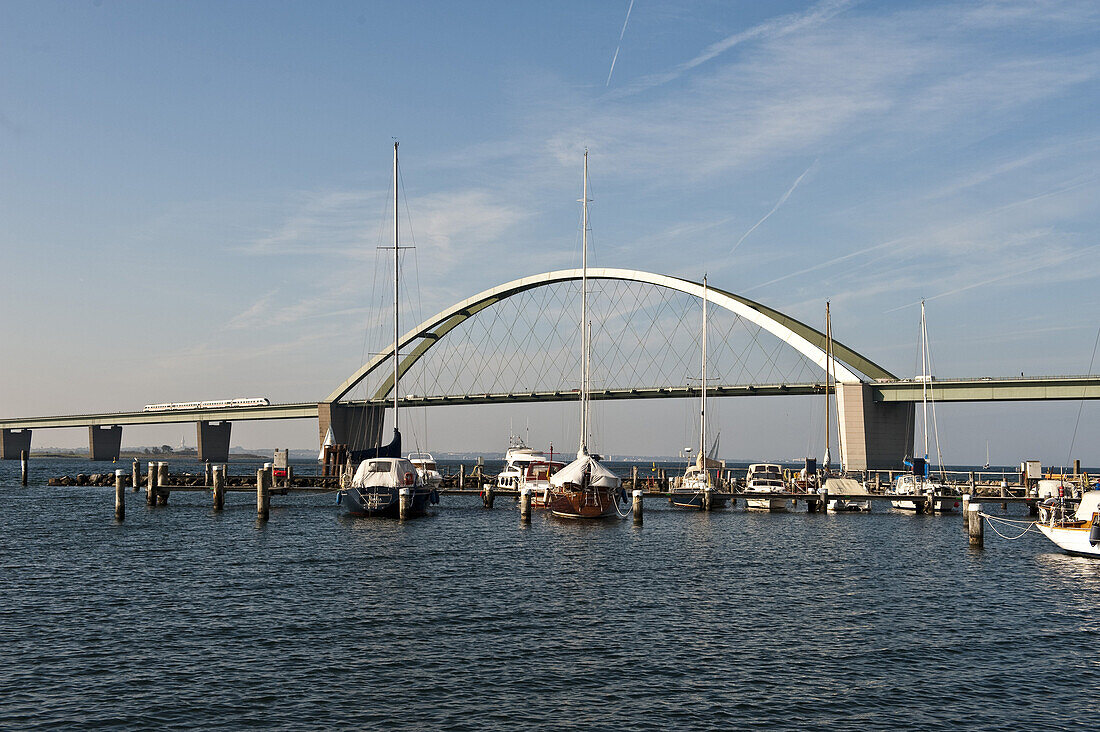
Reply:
x=1090, y=504
x=845, y=487
x=330, y=439
x=574, y=472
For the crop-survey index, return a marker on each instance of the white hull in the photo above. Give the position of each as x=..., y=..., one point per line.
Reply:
x=841, y=506
x=943, y=505
x=766, y=504
x=1072, y=540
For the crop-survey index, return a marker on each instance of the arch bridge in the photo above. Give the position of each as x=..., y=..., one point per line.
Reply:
x=876, y=409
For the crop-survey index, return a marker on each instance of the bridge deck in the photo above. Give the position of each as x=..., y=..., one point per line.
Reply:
x=949, y=390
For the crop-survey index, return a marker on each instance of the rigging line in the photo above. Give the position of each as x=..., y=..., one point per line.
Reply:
x=1081, y=405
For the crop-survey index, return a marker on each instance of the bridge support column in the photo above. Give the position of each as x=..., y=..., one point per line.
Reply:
x=104, y=443
x=359, y=426
x=213, y=439
x=14, y=442
x=873, y=435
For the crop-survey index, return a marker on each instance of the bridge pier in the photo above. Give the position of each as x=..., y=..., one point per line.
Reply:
x=213, y=440
x=873, y=435
x=13, y=443
x=359, y=426
x=104, y=443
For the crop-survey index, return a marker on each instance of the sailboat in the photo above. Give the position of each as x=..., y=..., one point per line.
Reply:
x=695, y=489
x=840, y=484
x=584, y=489
x=917, y=482
x=383, y=474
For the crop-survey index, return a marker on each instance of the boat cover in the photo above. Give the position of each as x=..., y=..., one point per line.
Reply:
x=330, y=439
x=369, y=476
x=1090, y=504
x=845, y=486
x=574, y=472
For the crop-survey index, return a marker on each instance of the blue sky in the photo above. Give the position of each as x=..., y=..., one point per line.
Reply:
x=192, y=192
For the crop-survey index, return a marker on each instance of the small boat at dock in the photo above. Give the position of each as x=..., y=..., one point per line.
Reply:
x=695, y=489
x=1076, y=533
x=585, y=489
x=377, y=485
x=846, y=487
x=427, y=469
x=765, y=478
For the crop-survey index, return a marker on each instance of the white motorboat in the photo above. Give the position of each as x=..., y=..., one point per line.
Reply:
x=426, y=468
x=516, y=461
x=765, y=478
x=1077, y=533
x=536, y=479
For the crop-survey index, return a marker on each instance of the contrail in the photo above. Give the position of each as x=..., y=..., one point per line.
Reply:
x=780, y=202
x=621, y=34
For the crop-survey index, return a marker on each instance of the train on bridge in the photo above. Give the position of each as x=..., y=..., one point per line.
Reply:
x=220, y=404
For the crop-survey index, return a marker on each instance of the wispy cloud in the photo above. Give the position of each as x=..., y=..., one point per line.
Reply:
x=780, y=202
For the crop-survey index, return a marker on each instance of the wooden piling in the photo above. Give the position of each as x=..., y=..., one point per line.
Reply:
x=708, y=499
x=136, y=469
x=634, y=476
x=207, y=479
x=971, y=482
x=151, y=486
x=636, y=494
x=525, y=505
x=404, y=503
x=219, y=487
x=487, y=496
x=23, y=460
x=929, y=505
x=1004, y=489
x=162, y=484
x=120, y=497
x=461, y=477
x=975, y=525
x=965, y=511
x=263, y=495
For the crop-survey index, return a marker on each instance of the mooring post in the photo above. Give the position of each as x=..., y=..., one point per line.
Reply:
x=263, y=495
x=525, y=505
x=975, y=525
x=966, y=507
x=289, y=475
x=973, y=489
x=120, y=497
x=634, y=476
x=708, y=498
x=219, y=487
x=636, y=494
x=162, y=484
x=206, y=477
x=461, y=477
x=137, y=475
x=23, y=458
x=878, y=482
x=929, y=507
x=151, y=485
x=1004, y=489
x=404, y=503
x=487, y=496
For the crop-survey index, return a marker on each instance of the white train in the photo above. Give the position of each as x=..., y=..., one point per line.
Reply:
x=221, y=404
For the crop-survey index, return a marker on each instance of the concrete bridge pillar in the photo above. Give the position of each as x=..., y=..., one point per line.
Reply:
x=104, y=443
x=873, y=435
x=359, y=426
x=213, y=440
x=13, y=442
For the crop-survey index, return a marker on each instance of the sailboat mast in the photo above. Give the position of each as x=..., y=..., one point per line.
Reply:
x=828, y=373
x=702, y=459
x=924, y=378
x=396, y=253
x=584, y=313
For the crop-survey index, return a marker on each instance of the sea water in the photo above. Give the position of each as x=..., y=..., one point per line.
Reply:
x=179, y=617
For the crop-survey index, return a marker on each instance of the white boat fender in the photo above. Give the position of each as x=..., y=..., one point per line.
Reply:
x=1094, y=532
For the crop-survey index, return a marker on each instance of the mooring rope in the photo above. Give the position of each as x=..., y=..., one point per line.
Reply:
x=1028, y=525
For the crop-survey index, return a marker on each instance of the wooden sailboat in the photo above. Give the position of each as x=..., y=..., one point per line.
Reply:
x=696, y=489
x=383, y=475
x=585, y=489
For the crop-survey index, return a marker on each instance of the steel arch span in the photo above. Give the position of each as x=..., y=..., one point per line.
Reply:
x=808, y=341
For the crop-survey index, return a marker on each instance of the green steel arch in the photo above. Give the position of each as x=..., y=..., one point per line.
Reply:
x=808, y=341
